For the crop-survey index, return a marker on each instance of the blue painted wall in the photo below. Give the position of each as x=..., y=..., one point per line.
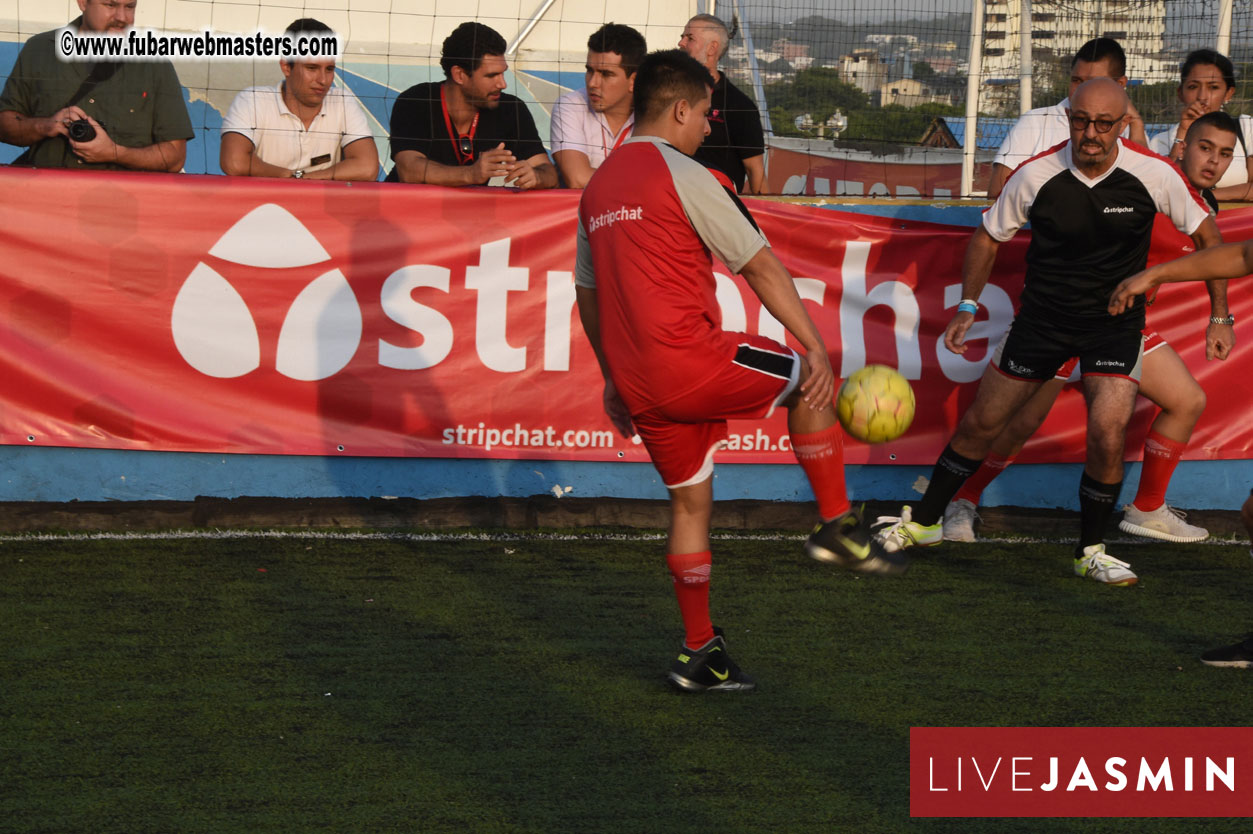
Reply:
x=52, y=474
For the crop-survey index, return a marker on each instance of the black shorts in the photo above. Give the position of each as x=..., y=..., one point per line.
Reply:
x=1035, y=350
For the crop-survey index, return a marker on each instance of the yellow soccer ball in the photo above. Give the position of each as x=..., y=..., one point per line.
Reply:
x=875, y=404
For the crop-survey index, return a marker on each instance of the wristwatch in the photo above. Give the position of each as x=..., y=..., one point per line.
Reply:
x=1229, y=320
x=298, y=174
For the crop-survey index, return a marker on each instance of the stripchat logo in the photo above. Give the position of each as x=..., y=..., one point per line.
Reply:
x=215, y=332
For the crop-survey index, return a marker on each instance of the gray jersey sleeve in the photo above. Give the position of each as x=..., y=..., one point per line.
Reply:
x=584, y=274
x=719, y=219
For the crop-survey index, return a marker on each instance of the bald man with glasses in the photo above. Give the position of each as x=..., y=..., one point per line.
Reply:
x=1091, y=203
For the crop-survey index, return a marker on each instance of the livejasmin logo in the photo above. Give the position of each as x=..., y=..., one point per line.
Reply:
x=1023, y=774
x=215, y=332
x=1080, y=771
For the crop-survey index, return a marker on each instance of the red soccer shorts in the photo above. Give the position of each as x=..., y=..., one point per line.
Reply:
x=682, y=434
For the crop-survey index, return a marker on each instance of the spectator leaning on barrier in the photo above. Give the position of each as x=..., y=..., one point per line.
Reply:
x=112, y=116
x=589, y=124
x=1207, y=82
x=736, y=144
x=301, y=127
x=1038, y=130
x=467, y=130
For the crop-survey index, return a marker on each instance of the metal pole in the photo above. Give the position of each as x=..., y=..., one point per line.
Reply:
x=759, y=90
x=972, y=97
x=1223, y=42
x=512, y=49
x=1024, y=59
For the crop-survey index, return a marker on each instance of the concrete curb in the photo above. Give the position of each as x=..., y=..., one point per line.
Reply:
x=536, y=512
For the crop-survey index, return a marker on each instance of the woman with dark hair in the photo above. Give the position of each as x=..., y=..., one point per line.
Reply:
x=1207, y=82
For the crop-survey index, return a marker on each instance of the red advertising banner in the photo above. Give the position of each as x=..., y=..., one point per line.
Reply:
x=1081, y=771
x=920, y=172
x=189, y=313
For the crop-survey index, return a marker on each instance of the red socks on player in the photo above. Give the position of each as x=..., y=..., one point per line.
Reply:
x=1161, y=456
x=821, y=456
x=691, y=587
x=972, y=489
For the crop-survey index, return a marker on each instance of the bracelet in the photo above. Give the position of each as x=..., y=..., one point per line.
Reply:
x=1229, y=320
x=968, y=305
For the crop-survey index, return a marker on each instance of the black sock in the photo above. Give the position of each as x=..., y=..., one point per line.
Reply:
x=1096, y=505
x=951, y=471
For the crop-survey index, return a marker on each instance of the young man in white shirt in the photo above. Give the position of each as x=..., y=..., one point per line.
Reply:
x=1040, y=129
x=302, y=127
x=588, y=124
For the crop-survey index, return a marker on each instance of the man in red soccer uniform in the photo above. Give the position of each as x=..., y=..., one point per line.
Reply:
x=649, y=220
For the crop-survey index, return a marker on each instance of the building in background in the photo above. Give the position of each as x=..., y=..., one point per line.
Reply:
x=865, y=70
x=1060, y=27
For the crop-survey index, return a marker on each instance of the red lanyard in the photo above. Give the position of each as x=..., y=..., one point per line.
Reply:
x=463, y=157
x=608, y=150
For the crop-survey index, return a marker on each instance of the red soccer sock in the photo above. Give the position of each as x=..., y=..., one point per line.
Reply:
x=1161, y=456
x=821, y=456
x=992, y=466
x=691, y=587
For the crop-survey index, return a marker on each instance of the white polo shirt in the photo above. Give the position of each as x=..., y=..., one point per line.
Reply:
x=577, y=127
x=280, y=137
x=1238, y=173
x=1035, y=131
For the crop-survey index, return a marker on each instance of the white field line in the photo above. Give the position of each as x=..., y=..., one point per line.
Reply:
x=334, y=535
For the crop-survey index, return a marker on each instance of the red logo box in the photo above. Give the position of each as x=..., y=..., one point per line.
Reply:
x=1081, y=771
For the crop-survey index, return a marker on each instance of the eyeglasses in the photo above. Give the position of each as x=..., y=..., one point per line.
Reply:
x=1080, y=123
x=466, y=145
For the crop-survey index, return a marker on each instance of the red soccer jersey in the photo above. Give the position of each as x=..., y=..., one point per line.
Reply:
x=650, y=221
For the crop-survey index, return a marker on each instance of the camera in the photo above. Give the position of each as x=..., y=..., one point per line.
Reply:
x=80, y=130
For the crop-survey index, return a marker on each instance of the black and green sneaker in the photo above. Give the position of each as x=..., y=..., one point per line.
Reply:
x=709, y=669
x=848, y=542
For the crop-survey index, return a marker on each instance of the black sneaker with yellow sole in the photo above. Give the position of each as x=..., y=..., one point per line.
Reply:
x=709, y=669
x=847, y=541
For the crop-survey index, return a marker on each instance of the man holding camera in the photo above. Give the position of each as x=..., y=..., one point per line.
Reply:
x=105, y=116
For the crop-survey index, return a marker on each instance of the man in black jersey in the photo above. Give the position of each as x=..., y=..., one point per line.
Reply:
x=1091, y=205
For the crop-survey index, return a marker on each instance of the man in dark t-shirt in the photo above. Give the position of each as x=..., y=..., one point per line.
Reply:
x=467, y=130
x=736, y=144
x=1091, y=203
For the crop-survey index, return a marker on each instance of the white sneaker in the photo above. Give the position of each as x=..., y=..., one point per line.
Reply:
x=896, y=534
x=1096, y=564
x=1165, y=523
x=959, y=521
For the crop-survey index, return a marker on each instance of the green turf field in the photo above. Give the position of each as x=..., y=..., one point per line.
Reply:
x=323, y=684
